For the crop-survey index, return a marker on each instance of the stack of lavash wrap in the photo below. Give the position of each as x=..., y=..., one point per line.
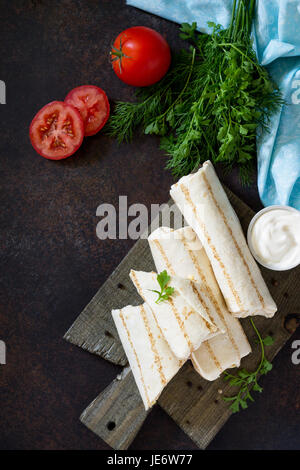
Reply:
x=215, y=281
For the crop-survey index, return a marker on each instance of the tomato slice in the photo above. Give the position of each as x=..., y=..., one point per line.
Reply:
x=92, y=103
x=57, y=130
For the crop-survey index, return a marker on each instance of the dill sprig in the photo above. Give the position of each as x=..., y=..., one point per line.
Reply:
x=210, y=103
x=246, y=381
x=153, y=101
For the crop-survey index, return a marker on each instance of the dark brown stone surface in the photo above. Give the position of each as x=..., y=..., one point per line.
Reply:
x=52, y=263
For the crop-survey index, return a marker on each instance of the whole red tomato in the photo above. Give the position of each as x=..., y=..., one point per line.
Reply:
x=140, y=56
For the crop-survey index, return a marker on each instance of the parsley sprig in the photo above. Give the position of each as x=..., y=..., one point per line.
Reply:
x=247, y=381
x=166, y=291
x=211, y=103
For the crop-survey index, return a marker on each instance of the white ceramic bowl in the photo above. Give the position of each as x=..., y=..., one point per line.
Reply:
x=249, y=236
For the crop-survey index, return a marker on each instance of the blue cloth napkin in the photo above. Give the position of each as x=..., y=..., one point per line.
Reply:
x=277, y=41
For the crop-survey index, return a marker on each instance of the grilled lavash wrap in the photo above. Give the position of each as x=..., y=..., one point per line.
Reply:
x=206, y=208
x=185, y=318
x=151, y=360
x=181, y=253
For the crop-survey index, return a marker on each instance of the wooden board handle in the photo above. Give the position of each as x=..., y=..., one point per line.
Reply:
x=117, y=414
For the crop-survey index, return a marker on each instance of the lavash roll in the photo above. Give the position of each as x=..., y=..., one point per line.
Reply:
x=206, y=208
x=182, y=319
x=151, y=360
x=181, y=253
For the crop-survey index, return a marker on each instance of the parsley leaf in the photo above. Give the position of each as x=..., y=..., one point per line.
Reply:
x=245, y=380
x=268, y=341
x=188, y=31
x=165, y=291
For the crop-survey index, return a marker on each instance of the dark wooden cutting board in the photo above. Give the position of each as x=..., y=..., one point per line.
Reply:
x=195, y=404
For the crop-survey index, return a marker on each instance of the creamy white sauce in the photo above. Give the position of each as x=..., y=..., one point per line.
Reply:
x=275, y=238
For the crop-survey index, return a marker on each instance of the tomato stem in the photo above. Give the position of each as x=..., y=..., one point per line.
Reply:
x=118, y=55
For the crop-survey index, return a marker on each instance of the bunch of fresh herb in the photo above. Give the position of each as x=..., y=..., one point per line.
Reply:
x=166, y=291
x=246, y=381
x=210, y=103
